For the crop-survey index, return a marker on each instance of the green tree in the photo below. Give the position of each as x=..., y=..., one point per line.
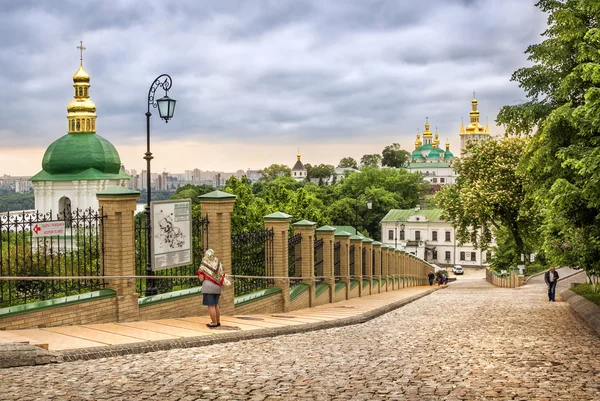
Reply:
x=489, y=194
x=348, y=162
x=563, y=108
x=373, y=160
x=274, y=171
x=191, y=191
x=322, y=171
x=394, y=156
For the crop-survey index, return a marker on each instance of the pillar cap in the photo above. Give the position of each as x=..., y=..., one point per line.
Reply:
x=117, y=192
x=356, y=238
x=277, y=216
x=326, y=229
x=217, y=195
x=304, y=223
x=376, y=243
x=343, y=234
x=368, y=240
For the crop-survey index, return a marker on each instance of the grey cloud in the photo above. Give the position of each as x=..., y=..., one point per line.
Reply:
x=263, y=70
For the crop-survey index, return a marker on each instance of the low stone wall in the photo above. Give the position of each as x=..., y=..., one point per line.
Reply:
x=94, y=311
x=270, y=304
x=511, y=280
x=184, y=307
x=302, y=301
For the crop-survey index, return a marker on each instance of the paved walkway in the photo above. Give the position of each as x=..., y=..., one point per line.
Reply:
x=471, y=341
x=123, y=334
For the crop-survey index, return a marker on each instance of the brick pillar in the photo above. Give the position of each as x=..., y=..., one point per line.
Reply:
x=118, y=205
x=343, y=238
x=327, y=234
x=280, y=223
x=356, y=240
x=368, y=245
x=403, y=258
x=307, y=248
x=384, y=264
x=397, y=267
x=377, y=249
x=218, y=206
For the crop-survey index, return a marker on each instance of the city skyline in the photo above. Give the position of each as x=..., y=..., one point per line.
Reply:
x=256, y=81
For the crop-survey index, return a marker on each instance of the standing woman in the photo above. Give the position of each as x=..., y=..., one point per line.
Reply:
x=212, y=276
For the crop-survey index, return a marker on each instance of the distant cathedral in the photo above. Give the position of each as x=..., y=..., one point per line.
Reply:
x=81, y=163
x=474, y=132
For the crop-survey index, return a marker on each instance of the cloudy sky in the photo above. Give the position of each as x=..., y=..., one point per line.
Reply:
x=256, y=80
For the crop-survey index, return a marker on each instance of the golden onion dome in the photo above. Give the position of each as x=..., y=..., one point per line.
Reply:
x=81, y=75
x=81, y=105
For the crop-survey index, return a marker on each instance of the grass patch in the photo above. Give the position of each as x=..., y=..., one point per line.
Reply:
x=587, y=291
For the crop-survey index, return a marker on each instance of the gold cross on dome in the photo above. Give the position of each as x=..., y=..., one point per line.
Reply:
x=81, y=49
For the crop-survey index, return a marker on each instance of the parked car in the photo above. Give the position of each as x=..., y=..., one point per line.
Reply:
x=457, y=269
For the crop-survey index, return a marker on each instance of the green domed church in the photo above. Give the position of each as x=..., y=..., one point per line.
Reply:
x=81, y=163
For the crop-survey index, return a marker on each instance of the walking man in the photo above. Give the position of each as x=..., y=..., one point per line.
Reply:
x=431, y=276
x=551, y=277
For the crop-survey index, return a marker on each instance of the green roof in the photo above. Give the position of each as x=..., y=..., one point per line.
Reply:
x=417, y=154
x=430, y=165
x=426, y=146
x=348, y=229
x=403, y=215
x=80, y=156
x=448, y=154
x=217, y=195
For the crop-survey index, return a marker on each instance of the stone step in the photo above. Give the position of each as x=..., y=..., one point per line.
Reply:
x=6, y=337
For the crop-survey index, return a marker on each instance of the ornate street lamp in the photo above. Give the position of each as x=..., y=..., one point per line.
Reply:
x=396, y=233
x=166, y=108
x=369, y=205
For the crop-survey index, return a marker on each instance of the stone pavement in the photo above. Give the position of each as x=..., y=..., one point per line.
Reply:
x=471, y=341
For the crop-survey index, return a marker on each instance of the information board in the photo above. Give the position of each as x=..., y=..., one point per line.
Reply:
x=171, y=233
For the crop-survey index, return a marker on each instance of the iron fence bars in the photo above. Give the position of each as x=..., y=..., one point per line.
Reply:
x=294, y=258
x=351, y=263
x=34, y=244
x=318, y=260
x=199, y=245
x=364, y=262
x=252, y=255
x=337, y=260
x=373, y=262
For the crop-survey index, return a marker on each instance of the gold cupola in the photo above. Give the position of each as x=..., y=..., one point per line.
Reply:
x=81, y=112
x=427, y=134
x=298, y=155
x=474, y=127
x=436, y=142
x=418, y=142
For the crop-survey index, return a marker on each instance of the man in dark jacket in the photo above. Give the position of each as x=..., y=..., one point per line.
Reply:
x=431, y=276
x=551, y=277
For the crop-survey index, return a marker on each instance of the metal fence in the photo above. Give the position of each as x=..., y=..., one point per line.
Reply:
x=252, y=255
x=199, y=245
x=43, y=245
x=352, y=262
x=364, y=262
x=294, y=258
x=318, y=260
x=337, y=260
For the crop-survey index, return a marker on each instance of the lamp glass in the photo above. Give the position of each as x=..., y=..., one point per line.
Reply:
x=166, y=107
x=369, y=205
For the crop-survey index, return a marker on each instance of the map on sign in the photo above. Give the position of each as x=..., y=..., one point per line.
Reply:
x=171, y=233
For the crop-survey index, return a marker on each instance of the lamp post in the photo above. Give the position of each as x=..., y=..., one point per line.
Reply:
x=166, y=108
x=369, y=206
x=396, y=233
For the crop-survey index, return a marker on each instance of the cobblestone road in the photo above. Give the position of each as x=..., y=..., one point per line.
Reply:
x=468, y=342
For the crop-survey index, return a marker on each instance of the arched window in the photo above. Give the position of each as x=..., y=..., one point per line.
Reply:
x=93, y=125
x=87, y=124
x=72, y=125
x=78, y=125
x=85, y=92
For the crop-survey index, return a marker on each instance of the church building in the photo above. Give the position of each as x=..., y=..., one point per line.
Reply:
x=474, y=132
x=81, y=163
x=299, y=172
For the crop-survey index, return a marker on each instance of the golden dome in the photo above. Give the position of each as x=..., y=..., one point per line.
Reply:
x=83, y=105
x=418, y=142
x=81, y=75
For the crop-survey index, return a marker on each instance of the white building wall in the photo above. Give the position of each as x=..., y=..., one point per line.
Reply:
x=82, y=194
x=449, y=252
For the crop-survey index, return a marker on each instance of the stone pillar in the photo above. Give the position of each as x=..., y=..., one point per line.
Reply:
x=356, y=240
x=307, y=248
x=377, y=271
x=280, y=223
x=218, y=207
x=385, y=261
x=368, y=245
x=343, y=238
x=118, y=230
x=398, y=267
x=327, y=234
